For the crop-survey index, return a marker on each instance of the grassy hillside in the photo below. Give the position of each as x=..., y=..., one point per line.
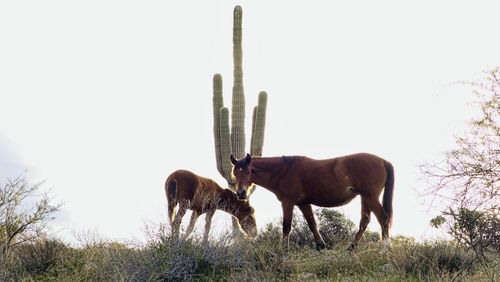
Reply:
x=163, y=258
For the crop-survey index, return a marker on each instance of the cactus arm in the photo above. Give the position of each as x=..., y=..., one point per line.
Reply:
x=254, y=115
x=218, y=103
x=225, y=145
x=259, y=123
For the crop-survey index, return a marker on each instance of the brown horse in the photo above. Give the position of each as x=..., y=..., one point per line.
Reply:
x=302, y=182
x=203, y=195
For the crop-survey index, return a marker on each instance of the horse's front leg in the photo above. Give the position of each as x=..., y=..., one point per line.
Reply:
x=309, y=216
x=287, y=221
x=208, y=223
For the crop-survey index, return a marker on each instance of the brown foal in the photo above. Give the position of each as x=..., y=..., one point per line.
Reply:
x=203, y=195
x=302, y=182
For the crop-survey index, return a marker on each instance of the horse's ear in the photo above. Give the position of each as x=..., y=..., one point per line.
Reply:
x=233, y=160
x=249, y=158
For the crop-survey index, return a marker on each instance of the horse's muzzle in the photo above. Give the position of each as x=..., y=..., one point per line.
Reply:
x=242, y=194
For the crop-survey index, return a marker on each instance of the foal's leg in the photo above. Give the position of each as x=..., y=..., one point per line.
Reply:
x=192, y=222
x=208, y=223
x=177, y=220
x=363, y=223
x=287, y=221
x=309, y=216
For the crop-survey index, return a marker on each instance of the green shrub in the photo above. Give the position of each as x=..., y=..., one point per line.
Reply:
x=334, y=227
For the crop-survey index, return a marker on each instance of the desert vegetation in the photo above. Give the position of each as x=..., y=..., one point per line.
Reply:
x=464, y=182
x=35, y=255
x=222, y=258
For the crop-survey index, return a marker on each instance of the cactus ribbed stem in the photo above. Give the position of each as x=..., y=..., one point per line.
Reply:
x=237, y=47
x=232, y=140
x=225, y=145
x=259, y=122
x=218, y=103
x=238, y=110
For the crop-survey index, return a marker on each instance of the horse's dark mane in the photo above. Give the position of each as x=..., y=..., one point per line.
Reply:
x=289, y=160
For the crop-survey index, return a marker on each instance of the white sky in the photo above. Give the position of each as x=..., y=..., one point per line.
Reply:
x=104, y=99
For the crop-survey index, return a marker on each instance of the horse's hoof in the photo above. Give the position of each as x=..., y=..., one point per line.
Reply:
x=386, y=246
x=384, y=250
x=320, y=245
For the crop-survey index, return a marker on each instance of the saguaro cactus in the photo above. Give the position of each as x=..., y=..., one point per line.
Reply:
x=232, y=141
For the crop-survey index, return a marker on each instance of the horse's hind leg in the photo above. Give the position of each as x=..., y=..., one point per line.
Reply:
x=192, y=222
x=383, y=219
x=363, y=223
x=172, y=203
x=309, y=216
x=178, y=220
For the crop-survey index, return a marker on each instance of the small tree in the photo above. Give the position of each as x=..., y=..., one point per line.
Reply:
x=467, y=181
x=23, y=213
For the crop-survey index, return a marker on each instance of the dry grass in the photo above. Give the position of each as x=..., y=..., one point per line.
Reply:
x=164, y=258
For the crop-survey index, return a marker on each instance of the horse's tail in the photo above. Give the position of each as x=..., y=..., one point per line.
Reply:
x=170, y=191
x=388, y=191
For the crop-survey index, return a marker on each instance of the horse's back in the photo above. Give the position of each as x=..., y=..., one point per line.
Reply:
x=198, y=190
x=360, y=161
x=342, y=177
x=186, y=183
x=363, y=171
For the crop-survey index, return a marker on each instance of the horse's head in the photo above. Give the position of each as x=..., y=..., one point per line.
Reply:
x=242, y=171
x=247, y=221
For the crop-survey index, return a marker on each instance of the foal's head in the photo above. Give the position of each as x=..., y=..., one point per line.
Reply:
x=242, y=171
x=246, y=218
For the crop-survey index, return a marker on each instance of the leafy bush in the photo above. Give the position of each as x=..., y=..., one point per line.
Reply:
x=477, y=229
x=334, y=227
